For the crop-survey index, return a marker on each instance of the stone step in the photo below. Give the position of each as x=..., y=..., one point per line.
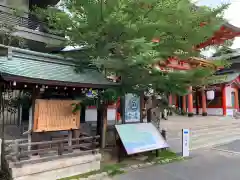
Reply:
x=176, y=126
x=216, y=142
x=216, y=135
x=204, y=132
x=205, y=139
x=203, y=127
x=214, y=125
x=214, y=139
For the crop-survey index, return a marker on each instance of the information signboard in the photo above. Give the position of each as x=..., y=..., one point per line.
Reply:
x=132, y=108
x=55, y=115
x=140, y=137
x=185, y=142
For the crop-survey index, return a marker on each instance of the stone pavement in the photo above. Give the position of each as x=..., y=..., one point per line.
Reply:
x=215, y=156
x=215, y=144
x=206, y=164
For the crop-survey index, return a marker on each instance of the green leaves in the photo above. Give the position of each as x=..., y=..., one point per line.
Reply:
x=118, y=36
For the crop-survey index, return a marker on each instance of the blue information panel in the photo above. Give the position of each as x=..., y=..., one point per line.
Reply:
x=132, y=108
x=140, y=137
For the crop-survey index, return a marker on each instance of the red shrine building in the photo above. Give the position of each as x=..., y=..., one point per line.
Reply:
x=220, y=98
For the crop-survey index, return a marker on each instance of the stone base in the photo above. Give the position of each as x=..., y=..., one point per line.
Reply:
x=204, y=114
x=183, y=113
x=58, y=168
x=190, y=114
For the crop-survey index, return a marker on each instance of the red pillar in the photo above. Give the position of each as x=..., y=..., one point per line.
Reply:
x=204, y=103
x=236, y=100
x=170, y=100
x=184, y=106
x=118, y=104
x=224, y=103
x=190, y=102
x=174, y=99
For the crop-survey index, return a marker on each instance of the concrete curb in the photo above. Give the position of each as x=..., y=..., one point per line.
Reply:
x=105, y=175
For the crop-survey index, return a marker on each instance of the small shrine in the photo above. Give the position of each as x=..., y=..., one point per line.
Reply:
x=42, y=102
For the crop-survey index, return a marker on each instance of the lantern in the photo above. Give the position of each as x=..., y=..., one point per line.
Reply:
x=210, y=95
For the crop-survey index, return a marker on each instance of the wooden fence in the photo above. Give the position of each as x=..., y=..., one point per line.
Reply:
x=49, y=150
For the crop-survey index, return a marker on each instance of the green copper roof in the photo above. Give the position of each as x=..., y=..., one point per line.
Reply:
x=224, y=78
x=39, y=66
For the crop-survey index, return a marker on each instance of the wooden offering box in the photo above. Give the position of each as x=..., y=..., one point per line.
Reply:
x=55, y=115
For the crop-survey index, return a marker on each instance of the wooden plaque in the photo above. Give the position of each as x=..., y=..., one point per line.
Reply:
x=55, y=115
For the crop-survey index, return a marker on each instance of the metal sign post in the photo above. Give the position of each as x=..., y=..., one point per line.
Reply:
x=185, y=142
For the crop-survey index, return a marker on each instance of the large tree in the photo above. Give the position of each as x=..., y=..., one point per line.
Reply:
x=127, y=37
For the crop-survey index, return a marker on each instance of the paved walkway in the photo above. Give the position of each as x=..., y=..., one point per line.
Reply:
x=216, y=151
x=207, y=164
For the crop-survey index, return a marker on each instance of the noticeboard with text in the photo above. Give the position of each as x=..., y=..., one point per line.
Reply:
x=132, y=108
x=55, y=115
x=140, y=137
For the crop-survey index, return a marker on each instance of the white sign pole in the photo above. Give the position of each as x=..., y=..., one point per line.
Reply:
x=185, y=142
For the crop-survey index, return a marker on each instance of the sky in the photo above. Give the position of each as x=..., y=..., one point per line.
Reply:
x=232, y=15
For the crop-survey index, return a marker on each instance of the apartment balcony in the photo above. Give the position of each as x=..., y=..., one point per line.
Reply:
x=38, y=36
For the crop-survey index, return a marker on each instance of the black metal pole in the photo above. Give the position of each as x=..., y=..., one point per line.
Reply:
x=149, y=115
x=164, y=135
x=157, y=153
x=163, y=132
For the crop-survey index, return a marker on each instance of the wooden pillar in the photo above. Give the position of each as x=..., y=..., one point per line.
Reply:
x=190, y=102
x=142, y=107
x=104, y=129
x=31, y=121
x=236, y=99
x=2, y=109
x=33, y=137
x=70, y=137
x=99, y=120
x=102, y=122
x=224, y=102
x=184, y=106
x=204, y=103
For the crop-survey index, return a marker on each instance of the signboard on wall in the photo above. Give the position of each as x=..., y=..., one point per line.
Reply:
x=55, y=115
x=132, y=108
x=140, y=137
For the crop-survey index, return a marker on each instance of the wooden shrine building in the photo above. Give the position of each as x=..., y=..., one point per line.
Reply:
x=42, y=126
